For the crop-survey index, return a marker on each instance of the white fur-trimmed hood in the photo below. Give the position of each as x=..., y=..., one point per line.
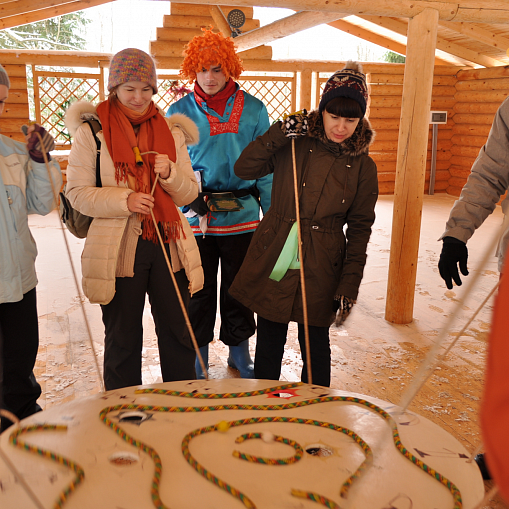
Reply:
x=80, y=111
x=77, y=113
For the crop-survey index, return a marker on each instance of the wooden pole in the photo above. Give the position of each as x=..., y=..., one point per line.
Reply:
x=305, y=89
x=102, y=95
x=411, y=166
x=220, y=20
x=284, y=27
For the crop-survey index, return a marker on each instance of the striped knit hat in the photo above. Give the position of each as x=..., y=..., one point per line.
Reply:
x=132, y=65
x=4, y=79
x=349, y=82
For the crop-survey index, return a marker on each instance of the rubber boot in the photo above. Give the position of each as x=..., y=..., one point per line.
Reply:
x=204, y=351
x=240, y=359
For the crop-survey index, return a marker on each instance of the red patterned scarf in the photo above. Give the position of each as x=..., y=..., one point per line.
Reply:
x=154, y=135
x=217, y=102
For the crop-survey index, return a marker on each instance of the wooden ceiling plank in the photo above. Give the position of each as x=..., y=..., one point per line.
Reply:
x=477, y=33
x=467, y=54
x=487, y=11
x=442, y=43
x=203, y=10
x=284, y=27
x=50, y=12
x=25, y=6
x=491, y=11
x=375, y=38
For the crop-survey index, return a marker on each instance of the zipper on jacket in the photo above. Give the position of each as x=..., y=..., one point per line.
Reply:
x=346, y=179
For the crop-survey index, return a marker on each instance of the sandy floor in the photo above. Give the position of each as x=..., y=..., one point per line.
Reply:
x=370, y=355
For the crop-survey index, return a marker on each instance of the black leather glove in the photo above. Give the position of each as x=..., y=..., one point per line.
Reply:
x=295, y=125
x=35, y=149
x=342, y=306
x=454, y=251
x=200, y=205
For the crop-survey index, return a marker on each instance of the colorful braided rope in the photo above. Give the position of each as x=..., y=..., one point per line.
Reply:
x=80, y=473
x=257, y=420
x=201, y=395
x=269, y=461
x=458, y=504
x=315, y=497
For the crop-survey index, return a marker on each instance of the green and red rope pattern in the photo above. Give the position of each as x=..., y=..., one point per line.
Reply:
x=299, y=451
x=156, y=480
x=57, y=458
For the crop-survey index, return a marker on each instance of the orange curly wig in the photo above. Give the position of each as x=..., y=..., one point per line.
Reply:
x=209, y=49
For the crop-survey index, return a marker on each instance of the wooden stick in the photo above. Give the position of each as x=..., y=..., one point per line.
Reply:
x=21, y=480
x=477, y=450
x=179, y=296
x=73, y=270
x=430, y=362
x=301, y=258
x=9, y=415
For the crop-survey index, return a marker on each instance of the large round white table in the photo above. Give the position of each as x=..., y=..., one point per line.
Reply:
x=119, y=474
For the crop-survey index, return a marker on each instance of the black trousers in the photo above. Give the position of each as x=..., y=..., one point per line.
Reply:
x=237, y=321
x=270, y=346
x=123, y=316
x=20, y=341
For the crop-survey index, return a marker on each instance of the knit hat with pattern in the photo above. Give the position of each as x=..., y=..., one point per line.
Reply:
x=4, y=79
x=132, y=65
x=349, y=82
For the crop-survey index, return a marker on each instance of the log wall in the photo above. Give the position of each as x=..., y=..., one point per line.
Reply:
x=478, y=95
x=385, y=111
x=16, y=111
x=187, y=20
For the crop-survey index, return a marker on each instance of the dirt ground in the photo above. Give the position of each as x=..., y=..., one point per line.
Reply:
x=369, y=355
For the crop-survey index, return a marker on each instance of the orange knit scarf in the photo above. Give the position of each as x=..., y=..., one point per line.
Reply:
x=154, y=135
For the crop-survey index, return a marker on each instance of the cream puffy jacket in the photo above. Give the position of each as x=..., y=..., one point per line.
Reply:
x=113, y=235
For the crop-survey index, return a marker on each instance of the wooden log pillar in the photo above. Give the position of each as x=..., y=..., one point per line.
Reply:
x=305, y=82
x=411, y=165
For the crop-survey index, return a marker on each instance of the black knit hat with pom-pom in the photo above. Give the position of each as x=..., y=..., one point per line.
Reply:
x=349, y=82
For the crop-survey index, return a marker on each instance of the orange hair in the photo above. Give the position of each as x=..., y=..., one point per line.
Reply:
x=208, y=49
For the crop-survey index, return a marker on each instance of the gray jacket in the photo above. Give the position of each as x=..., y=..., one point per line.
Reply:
x=487, y=182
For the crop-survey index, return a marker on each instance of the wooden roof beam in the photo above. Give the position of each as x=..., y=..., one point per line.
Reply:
x=442, y=44
x=487, y=11
x=16, y=7
x=479, y=34
x=58, y=9
x=373, y=37
x=220, y=20
x=284, y=27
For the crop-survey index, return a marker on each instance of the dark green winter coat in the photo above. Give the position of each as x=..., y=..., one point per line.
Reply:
x=338, y=186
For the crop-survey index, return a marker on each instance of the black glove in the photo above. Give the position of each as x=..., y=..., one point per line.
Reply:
x=295, y=125
x=200, y=205
x=35, y=149
x=454, y=251
x=342, y=306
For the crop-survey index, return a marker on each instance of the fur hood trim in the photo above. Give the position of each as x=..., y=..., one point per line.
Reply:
x=80, y=111
x=77, y=113
x=187, y=126
x=356, y=145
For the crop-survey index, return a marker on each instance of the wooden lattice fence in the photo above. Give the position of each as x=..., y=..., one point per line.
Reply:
x=55, y=91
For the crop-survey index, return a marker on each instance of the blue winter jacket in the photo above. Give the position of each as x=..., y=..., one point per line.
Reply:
x=222, y=140
x=24, y=189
